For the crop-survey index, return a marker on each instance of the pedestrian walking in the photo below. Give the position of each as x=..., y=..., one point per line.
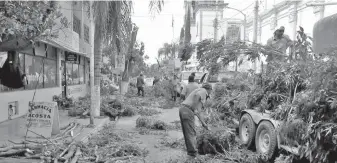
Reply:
x=192, y=107
x=191, y=86
x=140, y=84
x=174, y=87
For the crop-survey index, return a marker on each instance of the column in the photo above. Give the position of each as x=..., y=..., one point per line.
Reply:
x=293, y=19
x=59, y=73
x=293, y=22
x=259, y=30
x=273, y=20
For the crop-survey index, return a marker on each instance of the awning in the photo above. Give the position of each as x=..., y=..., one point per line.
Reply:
x=55, y=44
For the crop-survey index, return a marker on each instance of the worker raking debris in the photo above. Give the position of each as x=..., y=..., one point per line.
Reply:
x=192, y=107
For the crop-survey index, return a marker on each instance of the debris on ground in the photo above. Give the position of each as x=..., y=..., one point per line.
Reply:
x=172, y=143
x=215, y=142
x=112, y=145
x=146, y=111
x=129, y=111
x=60, y=147
x=144, y=121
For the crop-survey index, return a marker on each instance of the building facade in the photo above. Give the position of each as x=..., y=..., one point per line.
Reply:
x=291, y=15
x=203, y=14
x=55, y=66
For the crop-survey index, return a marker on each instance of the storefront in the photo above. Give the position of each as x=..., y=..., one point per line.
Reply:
x=75, y=75
x=48, y=73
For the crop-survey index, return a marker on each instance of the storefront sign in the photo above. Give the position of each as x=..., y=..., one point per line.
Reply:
x=71, y=57
x=43, y=119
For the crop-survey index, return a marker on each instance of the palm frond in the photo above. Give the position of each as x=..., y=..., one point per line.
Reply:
x=156, y=6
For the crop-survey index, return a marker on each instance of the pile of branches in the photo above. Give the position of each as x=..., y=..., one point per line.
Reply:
x=59, y=147
x=63, y=102
x=304, y=95
x=215, y=142
x=229, y=97
x=111, y=145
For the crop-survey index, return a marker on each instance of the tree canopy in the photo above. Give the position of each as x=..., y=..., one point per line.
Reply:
x=24, y=22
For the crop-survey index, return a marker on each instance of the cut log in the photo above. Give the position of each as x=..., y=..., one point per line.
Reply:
x=96, y=154
x=12, y=152
x=70, y=153
x=21, y=146
x=77, y=155
x=118, y=158
x=36, y=156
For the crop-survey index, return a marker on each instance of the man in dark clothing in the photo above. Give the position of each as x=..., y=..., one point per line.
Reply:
x=140, y=84
x=192, y=107
x=156, y=80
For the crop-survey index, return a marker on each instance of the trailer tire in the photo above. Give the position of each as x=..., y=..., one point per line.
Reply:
x=247, y=129
x=266, y=140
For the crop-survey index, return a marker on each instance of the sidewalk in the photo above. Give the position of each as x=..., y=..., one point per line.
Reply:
x=15, y=131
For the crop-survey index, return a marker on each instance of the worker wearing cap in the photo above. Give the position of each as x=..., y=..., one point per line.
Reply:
x=192, y=107
x=279, y=44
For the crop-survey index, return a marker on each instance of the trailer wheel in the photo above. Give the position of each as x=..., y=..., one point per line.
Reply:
x=266, y=140
x=247, y=130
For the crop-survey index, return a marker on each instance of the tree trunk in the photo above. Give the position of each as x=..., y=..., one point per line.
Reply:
x=129, y=52
x=95, y=95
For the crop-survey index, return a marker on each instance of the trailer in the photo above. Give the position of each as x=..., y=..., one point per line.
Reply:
x=258, y=129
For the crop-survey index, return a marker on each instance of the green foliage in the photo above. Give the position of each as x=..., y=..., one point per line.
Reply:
x=24, y=22
x=63, y=102
x=185, y=51
x=303, y=46
x=213, y=55
x=168, y=50
x=182, y=35
x=187, y=35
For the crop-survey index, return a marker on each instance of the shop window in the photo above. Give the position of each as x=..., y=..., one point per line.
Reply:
x=40, y=49
x=51, y=53
x=40, y=72
x=49, y=73
x=75, y=74
x=86, y=33
x=69, y=69
x=77, y=25
x=81, y=73
x=34, y=71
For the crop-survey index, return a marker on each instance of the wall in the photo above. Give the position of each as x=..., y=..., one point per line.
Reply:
x=23, y=98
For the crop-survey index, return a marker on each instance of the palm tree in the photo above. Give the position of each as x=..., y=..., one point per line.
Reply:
x=112, y=25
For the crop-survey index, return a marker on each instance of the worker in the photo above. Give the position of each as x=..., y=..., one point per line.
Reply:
x=192, y=107
x=280, y=42
x=174, y=87
x=191, y=86
x=156, y=80
x=278, y=45
x=140, y=84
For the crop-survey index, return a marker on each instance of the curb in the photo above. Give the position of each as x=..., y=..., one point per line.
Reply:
x=97, y=128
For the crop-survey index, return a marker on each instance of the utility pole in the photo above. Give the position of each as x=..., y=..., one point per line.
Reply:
x=255, y=23
x=216, y=22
